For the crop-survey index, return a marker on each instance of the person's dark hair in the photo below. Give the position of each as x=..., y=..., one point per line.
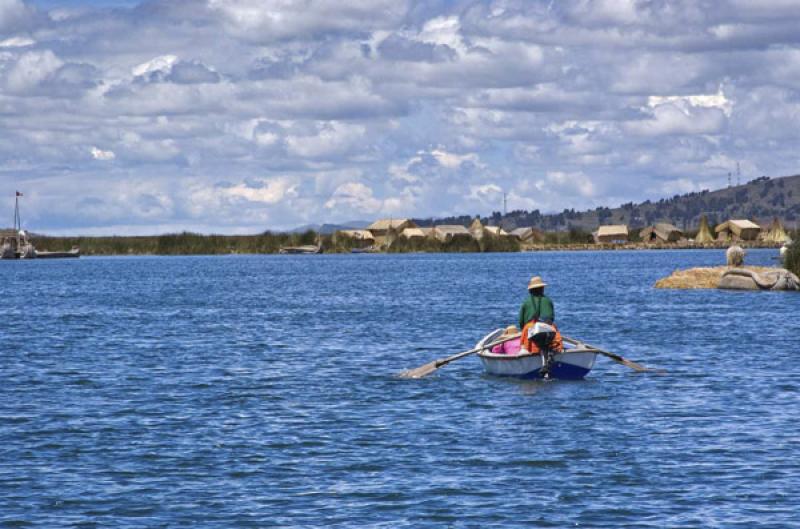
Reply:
x=539, y=291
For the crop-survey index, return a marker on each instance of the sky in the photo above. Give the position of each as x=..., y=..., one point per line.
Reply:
x=237, y=116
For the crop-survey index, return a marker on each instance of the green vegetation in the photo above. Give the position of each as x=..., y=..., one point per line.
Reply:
x=493, y=243
x=575, y=235
x=791, y=260
x=489, y=243
x=340, y=243
x=415, y=245
x=185, y=243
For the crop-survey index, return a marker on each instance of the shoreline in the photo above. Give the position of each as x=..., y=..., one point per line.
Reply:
x=747, y=245
x=108, y=252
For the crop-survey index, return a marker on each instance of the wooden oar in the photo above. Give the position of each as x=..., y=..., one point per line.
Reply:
x=613, y=356
x=430, y=367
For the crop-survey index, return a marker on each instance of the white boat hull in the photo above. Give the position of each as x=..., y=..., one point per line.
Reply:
x=566, y=366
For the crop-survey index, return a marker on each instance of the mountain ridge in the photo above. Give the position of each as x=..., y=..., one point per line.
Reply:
x=760, y=200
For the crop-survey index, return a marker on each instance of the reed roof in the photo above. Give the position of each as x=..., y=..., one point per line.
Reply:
x=413, y=232
x=612, y=230
x=524, y=234
x=662, y=230
x=476, y=225
x=386, y=224
x=495, y=230
x=737, y=225
x=452, y=229
x=358, y=234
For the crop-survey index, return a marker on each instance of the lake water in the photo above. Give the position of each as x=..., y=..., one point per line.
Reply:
x=260, y=391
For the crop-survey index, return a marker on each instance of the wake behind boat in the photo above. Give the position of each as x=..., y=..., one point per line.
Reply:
x=574, y=363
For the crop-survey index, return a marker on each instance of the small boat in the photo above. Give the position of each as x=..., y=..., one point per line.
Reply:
x=15, y=244
x=74, y=252
x=308, y=249
x=573, y=364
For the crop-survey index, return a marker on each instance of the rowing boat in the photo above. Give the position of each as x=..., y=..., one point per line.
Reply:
x=573, y=364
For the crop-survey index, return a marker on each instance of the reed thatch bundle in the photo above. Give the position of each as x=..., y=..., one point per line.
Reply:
x=704, y=234
x=776, y=232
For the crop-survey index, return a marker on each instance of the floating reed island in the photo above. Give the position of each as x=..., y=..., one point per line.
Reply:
x=733, y=276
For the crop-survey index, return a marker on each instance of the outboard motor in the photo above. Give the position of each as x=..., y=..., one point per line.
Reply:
x=542, y=334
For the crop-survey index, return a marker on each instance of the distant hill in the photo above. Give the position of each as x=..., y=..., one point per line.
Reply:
x=759, y=200
x=327, y=229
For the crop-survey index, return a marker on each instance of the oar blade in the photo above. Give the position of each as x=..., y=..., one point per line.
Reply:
x=633, y=365
x=421, y=371
x=628, y=363
x=615, y=357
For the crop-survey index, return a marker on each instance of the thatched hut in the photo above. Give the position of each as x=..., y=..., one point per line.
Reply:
x=413, y=233
x=611, y=234
x=381, y=228
x=476, y=228
x=497, y=231
x=661, y=232
x=737, y=230
x=448, y=232
x=528, y=235
x=775, y=233
x=704, y=234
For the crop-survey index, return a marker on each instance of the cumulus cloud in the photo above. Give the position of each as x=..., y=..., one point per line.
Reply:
x=575, y=182
x=355, y=197
x=486, y=192
x=162, y=63
x=17, y=42
x=30, y=69
x=250, y=114
x=99, y=154
x=265, y=191
x=677, y=117
x=270, y=20
x=452, y=160
x=13, y=14
x=325, y=139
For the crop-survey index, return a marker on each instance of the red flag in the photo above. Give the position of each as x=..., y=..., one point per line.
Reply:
x=19, y=194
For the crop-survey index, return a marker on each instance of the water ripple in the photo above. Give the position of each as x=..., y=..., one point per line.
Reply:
x=260, y=391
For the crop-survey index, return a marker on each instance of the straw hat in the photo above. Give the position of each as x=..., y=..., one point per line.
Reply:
x=511, y=329
x=536, y=282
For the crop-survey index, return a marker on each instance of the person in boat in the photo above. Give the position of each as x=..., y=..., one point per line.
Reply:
x=510, y=347
x=537, y=307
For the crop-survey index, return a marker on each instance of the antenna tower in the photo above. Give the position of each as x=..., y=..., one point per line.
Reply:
x=729, y=179
x=738, y=174
x=505, y=203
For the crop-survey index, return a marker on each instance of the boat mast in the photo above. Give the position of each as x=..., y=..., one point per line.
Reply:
x=17, y=219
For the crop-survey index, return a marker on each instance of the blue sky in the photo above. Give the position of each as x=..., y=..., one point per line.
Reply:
x=236, y=116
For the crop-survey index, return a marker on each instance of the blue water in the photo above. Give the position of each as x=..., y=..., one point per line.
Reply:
x=260, y=391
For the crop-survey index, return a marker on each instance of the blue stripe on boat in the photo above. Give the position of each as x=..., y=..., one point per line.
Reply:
x=559, y=370
x=567, y=371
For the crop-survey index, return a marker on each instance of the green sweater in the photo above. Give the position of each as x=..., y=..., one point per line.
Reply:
x=536, y=307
